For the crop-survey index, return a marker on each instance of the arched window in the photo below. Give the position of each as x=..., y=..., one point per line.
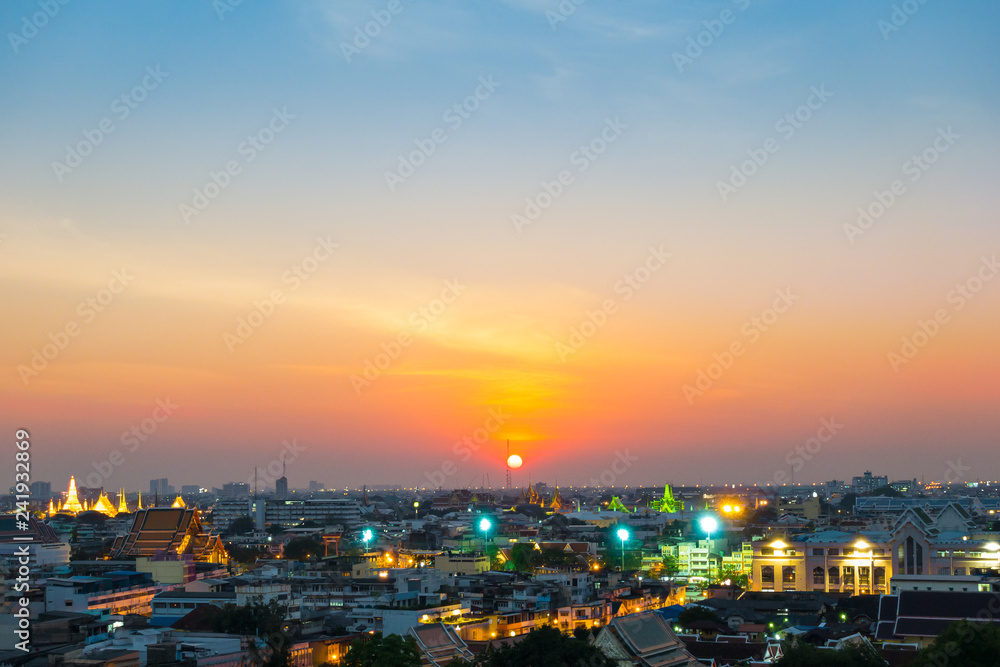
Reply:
x=834, y=576
x=819, y=576
x=767, y=575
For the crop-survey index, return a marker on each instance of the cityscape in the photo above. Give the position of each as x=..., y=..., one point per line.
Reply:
x=522, y=333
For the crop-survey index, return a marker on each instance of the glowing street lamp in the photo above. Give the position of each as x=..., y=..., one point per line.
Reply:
x=366, y=537
x=995, y=548
x=623, y=535
x=485, y=525
x=709, y=524
x=416, y=509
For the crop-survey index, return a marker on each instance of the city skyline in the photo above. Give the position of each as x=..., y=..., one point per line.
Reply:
x=704, y=243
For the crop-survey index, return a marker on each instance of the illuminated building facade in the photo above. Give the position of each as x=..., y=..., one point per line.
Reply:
x=918, y=545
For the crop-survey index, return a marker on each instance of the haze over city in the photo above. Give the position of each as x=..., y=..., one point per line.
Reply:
x=681, y=242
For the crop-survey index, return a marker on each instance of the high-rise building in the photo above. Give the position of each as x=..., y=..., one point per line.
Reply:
x=41, y=490
x=235, y=490
x=867, y=483
x=160, y=486
x=281, y=488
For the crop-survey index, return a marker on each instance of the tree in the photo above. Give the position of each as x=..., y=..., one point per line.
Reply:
x=243, y=524
x=391, y=651
x=848, y=501
x=963, y=643
x=692, y=614
x=523, y=557
x=738, y=579
x=804, y=654
x=254, y=617
x=546, y=647
x=275, y=529
x=670, y=566
x=303, y=548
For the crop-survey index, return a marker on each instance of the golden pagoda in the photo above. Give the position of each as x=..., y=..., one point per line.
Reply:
x=140, y=502
x=72, y=504
x=104, y=506
x=122, y=507
x=179, y=502
x=52, y=508
x=556, y=503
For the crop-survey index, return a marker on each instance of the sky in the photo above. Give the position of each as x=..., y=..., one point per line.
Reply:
x=646, y=242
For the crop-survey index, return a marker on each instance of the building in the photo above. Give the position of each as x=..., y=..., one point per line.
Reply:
x=867, y=482
x=462, y=563
x=236, y=490
x=281, y=488
x=290, y=513
x=119, y=592
x=643, y=639
x=919, y=617
x=945, y=545
x=44, y=550
x=169, y=607
x=439, y=644
x=161, y=487
x=169, y=530
x=41, y=490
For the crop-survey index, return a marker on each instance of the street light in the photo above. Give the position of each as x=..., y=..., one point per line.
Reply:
x=366, y=537
x=416, y=509
x=709, y=524
x=485, y=525
x=623, y=535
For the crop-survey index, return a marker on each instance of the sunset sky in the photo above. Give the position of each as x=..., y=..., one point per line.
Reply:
x=549, y=225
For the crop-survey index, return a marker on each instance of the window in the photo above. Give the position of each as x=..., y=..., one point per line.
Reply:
x=833, y=552
x=790, y=552
x=848, y=575
x=788, y=574
x=766, y=551
x=819, y=575
x=817, y=552
x=767, y=575
x=834, y=576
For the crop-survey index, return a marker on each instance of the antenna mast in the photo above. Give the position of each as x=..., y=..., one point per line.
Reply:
x=508, y=463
